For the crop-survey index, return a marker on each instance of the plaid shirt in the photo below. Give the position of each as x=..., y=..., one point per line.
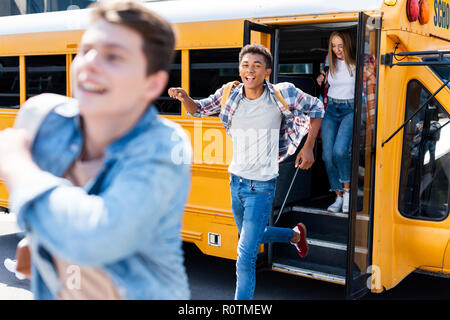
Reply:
x=294, y=125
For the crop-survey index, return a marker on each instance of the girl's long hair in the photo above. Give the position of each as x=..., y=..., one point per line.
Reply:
x=349, y=51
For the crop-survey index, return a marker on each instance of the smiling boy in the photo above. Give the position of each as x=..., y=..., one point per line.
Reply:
x=98, y=193
x=264, y=132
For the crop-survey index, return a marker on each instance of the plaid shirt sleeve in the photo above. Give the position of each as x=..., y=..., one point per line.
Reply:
x=301, y=102
x=209, y=106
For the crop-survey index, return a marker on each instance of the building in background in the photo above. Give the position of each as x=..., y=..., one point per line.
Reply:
x=14, y=7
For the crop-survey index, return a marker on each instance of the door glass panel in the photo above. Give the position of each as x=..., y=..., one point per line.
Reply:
x=363, y=156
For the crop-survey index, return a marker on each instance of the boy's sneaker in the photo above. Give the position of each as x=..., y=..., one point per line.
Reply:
x=337, y=205
x=302, y=244
x=11, y=266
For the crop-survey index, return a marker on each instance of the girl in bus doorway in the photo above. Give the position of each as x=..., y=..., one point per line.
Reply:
x=337, y=125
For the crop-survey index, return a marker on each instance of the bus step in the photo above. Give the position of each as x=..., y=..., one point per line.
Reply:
x=316, y=220
x=322, y=251
x=309, y=270
x=327, y=241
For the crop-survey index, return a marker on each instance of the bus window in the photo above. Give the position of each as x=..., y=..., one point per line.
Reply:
x=165, y=104
x=425, y=173
x=9, y=82
x=295, y=68
x=45, y=74
x=212, y=68
x=38, y=6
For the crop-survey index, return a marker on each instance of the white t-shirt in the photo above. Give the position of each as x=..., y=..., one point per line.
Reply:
x=342, y=84
x=255, y=132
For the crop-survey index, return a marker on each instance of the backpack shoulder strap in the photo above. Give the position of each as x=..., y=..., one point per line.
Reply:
x=227, y=91
x=35, y=110
x=279, y=97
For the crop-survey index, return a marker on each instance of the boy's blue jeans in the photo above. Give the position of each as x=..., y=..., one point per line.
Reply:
x=337, y=131
x=251, y=202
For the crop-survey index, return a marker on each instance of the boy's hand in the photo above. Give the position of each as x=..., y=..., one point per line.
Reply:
x=178, y=93
x=305, y=158
x=321, y=78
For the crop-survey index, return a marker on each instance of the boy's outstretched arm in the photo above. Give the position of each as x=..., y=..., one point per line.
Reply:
x=181, y=95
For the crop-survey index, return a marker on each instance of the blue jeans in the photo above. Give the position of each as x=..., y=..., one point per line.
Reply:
x=251, y=202
x=337, y=131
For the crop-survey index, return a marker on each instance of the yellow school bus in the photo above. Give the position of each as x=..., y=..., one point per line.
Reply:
x=399, y=209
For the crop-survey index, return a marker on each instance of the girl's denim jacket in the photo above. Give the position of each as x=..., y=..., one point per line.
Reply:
x=125, y=221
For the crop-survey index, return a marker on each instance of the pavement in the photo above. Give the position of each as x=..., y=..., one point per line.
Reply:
x=11, y=288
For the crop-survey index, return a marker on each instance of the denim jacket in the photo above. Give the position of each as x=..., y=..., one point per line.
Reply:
x=125, y=221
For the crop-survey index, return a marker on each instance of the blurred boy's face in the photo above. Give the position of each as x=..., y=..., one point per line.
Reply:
x=109, y=73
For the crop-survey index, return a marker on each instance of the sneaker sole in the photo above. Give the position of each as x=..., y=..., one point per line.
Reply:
x=307, y=247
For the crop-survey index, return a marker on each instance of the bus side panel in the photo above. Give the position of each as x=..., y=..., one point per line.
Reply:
x=40, y=43
x=210, y=34
x=208, y=220
x=7, y=117
x=446, y=263
x=401, y=244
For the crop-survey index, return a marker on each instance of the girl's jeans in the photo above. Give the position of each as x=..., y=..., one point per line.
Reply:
x=337, y=130
x=251, y=202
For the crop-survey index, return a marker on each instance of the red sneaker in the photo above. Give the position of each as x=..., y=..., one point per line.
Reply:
x=302, y=244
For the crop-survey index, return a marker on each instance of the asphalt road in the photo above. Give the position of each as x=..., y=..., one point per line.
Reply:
x=10, y=287
x=213, y=278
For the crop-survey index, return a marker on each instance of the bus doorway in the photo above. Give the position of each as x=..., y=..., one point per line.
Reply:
x=300, y=52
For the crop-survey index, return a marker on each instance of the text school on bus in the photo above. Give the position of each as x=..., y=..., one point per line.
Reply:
x=398, y=220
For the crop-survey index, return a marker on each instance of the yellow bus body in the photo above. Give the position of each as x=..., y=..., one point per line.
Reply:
x=400, y=245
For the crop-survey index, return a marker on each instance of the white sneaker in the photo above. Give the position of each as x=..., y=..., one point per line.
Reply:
x=11, y=266
x=337, y=205
x=346, y=202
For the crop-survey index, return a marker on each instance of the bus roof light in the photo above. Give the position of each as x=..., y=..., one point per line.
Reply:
x=390, y=2
x=424, y=12
x=412, y=10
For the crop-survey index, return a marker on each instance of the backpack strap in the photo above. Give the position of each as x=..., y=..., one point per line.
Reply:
x=230, y=85
x=227, y=91
x=280, y=97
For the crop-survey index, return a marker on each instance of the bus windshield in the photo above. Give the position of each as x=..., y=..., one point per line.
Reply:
x=442, y=71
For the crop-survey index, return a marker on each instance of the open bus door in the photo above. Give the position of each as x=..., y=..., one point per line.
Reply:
x=330, y=260
x=360, y=273
x=267, y=36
